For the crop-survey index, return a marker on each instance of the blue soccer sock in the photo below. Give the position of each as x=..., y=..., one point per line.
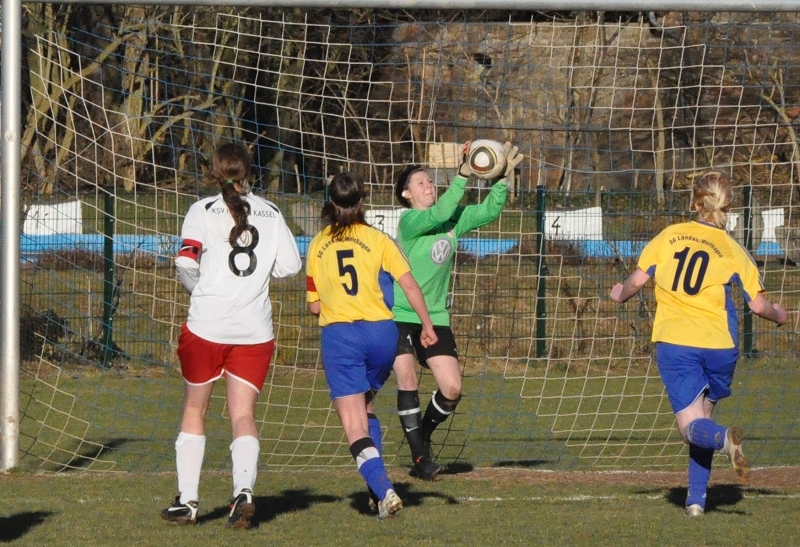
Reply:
x=375, y=432
x=370, y=465
x=699, y=473
x=706, y=433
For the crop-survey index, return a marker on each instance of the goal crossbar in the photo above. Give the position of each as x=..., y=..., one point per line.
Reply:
x=504, y=5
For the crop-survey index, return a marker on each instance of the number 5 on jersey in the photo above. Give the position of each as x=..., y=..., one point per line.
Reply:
x=347, y=270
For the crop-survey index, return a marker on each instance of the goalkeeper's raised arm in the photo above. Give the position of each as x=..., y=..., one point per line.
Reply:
x=428, y=232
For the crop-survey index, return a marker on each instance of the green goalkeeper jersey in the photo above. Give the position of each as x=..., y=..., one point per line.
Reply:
x=429, y=238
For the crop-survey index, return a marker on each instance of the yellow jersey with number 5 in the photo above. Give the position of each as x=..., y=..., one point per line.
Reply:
x=343, y=274
x=695, y=266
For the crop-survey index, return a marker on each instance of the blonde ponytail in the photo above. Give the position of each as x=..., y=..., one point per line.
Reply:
x=712, y=196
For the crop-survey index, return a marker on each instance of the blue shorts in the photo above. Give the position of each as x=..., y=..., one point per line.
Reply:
x=358, y=357
x=689, y=372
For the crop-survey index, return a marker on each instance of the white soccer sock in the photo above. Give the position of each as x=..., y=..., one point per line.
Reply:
x=189, y=452
x=244, y=454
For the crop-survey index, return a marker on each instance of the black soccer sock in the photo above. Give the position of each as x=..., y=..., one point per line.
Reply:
x=411, y=419
x=439, y=408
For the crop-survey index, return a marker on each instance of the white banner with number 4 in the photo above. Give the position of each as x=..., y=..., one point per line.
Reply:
x=574, y=225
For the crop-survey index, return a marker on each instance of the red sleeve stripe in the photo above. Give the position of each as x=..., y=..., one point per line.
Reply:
x=310, y=286
x=190, y=249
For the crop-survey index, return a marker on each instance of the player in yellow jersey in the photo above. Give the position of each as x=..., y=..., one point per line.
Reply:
x=345, y=264
x=695, y=265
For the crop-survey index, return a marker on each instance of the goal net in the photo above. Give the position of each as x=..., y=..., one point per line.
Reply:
x=614, y=113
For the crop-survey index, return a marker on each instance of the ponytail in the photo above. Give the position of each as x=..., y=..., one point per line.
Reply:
x=712, y=197
x=230, y=166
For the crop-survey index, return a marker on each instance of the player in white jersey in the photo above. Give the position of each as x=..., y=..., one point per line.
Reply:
x=232, y=245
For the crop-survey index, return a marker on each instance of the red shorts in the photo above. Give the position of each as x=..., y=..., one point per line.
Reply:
x=203, y=362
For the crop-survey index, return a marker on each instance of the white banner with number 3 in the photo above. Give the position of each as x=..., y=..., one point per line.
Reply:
x=385, y=220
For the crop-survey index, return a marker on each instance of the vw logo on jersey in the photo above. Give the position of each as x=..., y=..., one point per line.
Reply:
x=440, y=251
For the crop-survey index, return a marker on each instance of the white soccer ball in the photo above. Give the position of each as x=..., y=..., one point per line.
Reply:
x=487, y=159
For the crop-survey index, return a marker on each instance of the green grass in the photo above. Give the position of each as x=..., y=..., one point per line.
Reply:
x=110, y=421
x=588, y=404
x=328, y=508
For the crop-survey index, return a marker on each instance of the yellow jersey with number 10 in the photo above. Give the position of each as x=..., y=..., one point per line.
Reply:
x=695, y=266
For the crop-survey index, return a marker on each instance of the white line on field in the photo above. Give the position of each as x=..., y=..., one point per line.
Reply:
x=583, y=497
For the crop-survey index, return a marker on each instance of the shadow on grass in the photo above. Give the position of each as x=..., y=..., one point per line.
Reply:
x=457, y=468
x=72, y=454
x=460, y=467
x=522, y=463
x=88, y=457
x=269, y=507
x=720, y=497
x=15, y=526
x=410, y=496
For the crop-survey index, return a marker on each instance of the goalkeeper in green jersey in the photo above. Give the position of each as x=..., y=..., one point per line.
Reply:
x=428, y=232
x=695, y=266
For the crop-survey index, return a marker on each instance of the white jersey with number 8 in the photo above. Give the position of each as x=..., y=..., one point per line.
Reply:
x=230, y=302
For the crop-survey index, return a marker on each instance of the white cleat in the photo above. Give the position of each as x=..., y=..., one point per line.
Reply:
x=373, y=501
x=389, y=505
x=694, y=510
x=181, y=513
x=733, y=448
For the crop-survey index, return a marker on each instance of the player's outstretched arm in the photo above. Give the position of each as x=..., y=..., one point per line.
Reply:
x=764, y=308
x=621, y=292
x=417, y=301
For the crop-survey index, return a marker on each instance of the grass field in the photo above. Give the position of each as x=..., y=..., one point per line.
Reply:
x=104, y=422
x=578, y=448
x=328, y=507
x=510, y=480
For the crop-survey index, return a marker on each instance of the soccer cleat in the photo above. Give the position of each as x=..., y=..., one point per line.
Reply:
x=694, y=510
x=733, y=448
x=425, y=468
x=389, y=505
x=373, y=501
x=181, y=513
x=242, y=510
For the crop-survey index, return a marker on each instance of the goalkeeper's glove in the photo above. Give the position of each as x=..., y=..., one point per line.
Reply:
x=513, y=158
x=464, y=169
